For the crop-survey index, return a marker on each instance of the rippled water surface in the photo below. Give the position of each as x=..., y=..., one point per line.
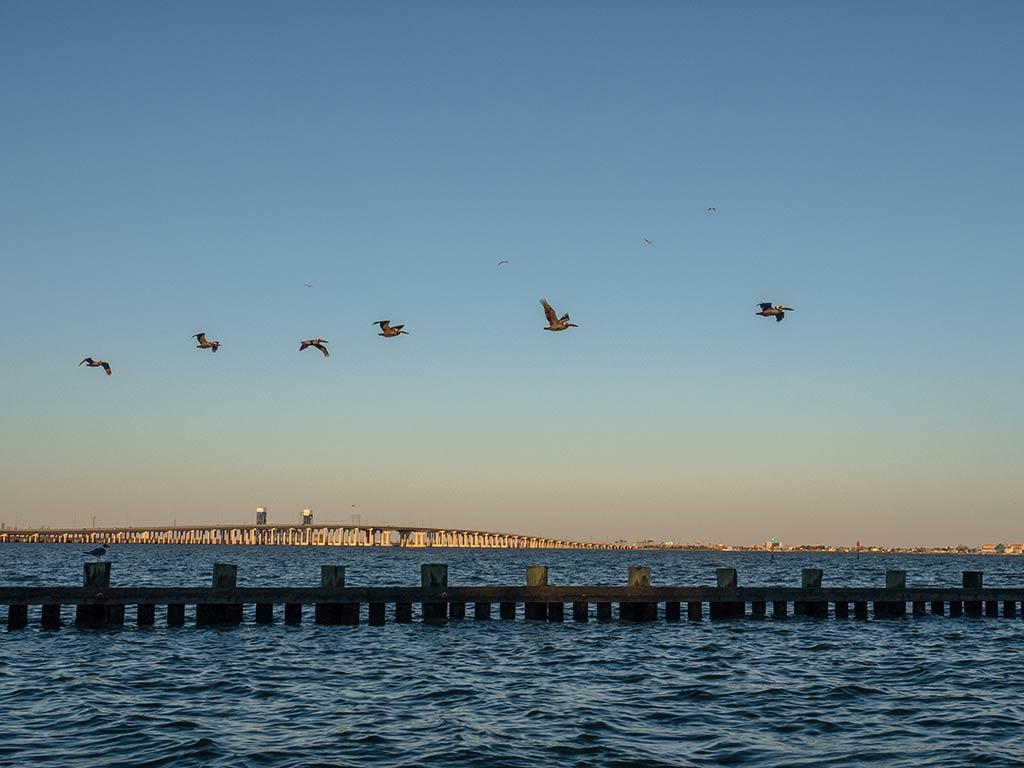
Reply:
x=919, y=691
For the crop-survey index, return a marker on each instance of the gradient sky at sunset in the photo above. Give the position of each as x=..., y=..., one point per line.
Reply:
x=169, y=168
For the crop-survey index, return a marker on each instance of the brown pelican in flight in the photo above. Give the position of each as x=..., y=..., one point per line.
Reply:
x=203, y=343
x=767, y=310
x=502, y=262
x=318, y=343
x=712, y=210
x=96, y=364
x=556, y=323
x=648, y=242
x=387, y=331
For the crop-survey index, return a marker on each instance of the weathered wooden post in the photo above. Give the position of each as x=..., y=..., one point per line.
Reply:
x=842, y=609
x=779, y=609
x=726, y=579
x=972, y=580
x=1009, y=609
x=581, y=612
x=96, y=576
x=860, y=609
x=175, y=614
x=434, y=576
x=264, y=613
x=604, y=611
x=456, y=610
x=694, y=609
x=375, y=614
x=17, y=616
x=673, y=610
x=938, y=608
x=810, y=578
x=956, y=609
x=992, y=608
x=293, y=613
x=50, y=618
x=332, y=577
x=556, y=612
x=894, y=580
x=482, y=611
x=638, y=577
x=224, y=578
x=536, y=576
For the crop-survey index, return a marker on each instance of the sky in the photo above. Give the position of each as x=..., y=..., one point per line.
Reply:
x=170, y=168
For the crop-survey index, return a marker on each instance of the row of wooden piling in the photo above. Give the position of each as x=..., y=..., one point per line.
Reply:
x=98, y=604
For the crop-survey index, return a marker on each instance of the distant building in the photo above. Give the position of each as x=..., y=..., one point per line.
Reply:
x=992, y=549
x=261, y=515
x=307, y=517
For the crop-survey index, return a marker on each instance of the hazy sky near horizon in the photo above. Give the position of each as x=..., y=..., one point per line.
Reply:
x=169, y=168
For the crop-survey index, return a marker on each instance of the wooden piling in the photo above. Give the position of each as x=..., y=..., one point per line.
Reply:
x=860, y=609
x=456, y=611
x=894, y=580
x=332, y=577
x=375, y=614
x=956, y=608
x=556, y=612
x=51, y=617
x=726, y=579
x=972, y=580
x=672, y=610
x=694, y=611
x=434, y=576
x=264, y=613
x=842, y=609
x=507, y=611
x=638, y=576
x=17, y=616
x=604, y=611
x=938, y=608
x=403, y=613
x=224, y=577
x=96, y=576
x=482, y=611
x=919, y=608
x=536, y=576
x=1009, y=609
x=810, y=578
x=992, y=608
x=175, y=614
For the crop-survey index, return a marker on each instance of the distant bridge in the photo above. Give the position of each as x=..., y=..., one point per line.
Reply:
x=319, y=535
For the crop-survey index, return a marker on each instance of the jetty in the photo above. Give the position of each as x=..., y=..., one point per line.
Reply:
x=318, y=535
x=99, y=604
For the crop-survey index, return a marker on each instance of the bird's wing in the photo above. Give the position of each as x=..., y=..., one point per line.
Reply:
x=384, y=324
x=765, y=305
x=303, y=345
x=549, y=312
x=778, y=317
x=399, y=327
x=565, y=317
x=106, y=367
x=217, y=344
x=87, y=360
x=200, y=337
x=502, y=262
x=323, y=349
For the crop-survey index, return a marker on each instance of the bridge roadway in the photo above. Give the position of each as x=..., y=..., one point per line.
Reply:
x=319, y=535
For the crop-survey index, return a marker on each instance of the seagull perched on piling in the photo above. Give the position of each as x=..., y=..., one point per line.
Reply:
x=318, y=343
x=556, y=323
x=203, y=343
x=767, y=310
x=98, y=552
x=96, y=364
x=387, y=331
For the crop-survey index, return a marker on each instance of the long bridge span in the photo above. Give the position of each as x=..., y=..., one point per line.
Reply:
x=318, y=535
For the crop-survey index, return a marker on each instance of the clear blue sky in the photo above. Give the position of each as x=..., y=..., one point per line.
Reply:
x=169, y=168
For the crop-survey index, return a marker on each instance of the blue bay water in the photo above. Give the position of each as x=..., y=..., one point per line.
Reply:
x=924, y=691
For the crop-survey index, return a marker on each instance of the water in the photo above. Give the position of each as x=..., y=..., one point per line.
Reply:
x=923, y=691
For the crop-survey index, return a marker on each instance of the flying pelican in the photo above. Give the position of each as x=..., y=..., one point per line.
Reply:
x=712, y=210
x=767, y=310
x=387, y=331
x=502, y=262
x=203, y=343
x=648, y=242
x=98, y=552
x=309, y=285
x=318, y=343
x=556, y=323
x=96, y=364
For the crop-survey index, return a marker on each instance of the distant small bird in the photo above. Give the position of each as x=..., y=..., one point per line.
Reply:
x=387, y=331
x=203, y=343
x=767, y=310
x=98, y=552
x=648, y=242
x=96, y=364
x=712, y=210
x=502, y=262
x=556, y=323
x=318, y=343
x=309, y=285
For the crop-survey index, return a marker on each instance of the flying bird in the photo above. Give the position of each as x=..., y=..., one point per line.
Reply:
x=712, y=210
x=96, y=364
x=309, y=285
x=648, y=242
x=767, y=310
x=203, y=343
x=502, y=262
x=556, y=323
x=387, y=331
x=318, y=343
